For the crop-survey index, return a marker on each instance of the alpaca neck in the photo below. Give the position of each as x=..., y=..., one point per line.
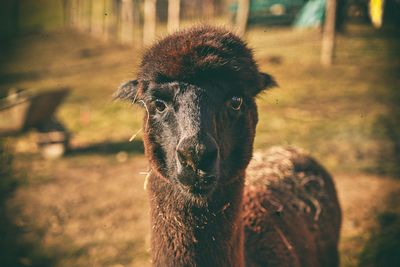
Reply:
x=184, y=234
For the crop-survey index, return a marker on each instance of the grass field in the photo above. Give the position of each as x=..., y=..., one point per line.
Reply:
x=89, y=208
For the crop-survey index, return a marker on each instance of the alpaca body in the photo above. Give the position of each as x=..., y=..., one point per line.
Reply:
x=291, y=213
x=198, y=88
x=282, y=220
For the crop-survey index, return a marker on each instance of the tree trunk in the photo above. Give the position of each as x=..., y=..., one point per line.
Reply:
x=149, y=26
x=173, y=15
x=72, y=12
x=242, y=16
x=328, y=38
x=137, y=22
x=89, y=16
x=113, y=17
x=79, y=14
x=105, y=20
x=66, y=7
x=83, y=15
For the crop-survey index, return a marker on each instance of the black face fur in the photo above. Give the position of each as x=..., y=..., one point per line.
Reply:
x=198, y=87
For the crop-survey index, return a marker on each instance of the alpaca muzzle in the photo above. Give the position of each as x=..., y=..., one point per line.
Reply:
x=197, y=160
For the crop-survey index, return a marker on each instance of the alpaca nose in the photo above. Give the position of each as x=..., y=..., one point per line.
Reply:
x=199, y=155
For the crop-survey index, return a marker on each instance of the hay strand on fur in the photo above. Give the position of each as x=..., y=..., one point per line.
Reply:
x=146, y=179
x=147, y=121
x=148, y=113
x=134, y=135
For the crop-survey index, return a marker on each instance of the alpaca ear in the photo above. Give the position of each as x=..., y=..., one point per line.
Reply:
x=267, y=81
x=127, y=91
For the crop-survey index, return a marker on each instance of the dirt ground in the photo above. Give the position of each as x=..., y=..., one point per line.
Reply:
x=90, y=209
x=95, y=213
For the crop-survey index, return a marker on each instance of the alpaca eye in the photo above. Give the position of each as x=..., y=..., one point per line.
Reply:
x=236, y=102
x=160, y=105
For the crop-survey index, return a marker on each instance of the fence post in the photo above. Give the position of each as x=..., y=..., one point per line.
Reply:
x=242, y=16
x=89, y=16
x=126, y=21
x=66, y=10
x=173, y=15
x=149, y=25
x=328, y=37
x=105, y=15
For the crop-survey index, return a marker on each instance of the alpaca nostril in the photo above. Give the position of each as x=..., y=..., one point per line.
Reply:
x=183, y=156
x=208, y=159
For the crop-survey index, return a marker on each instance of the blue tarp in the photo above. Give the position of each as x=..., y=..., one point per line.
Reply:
x=311, y=15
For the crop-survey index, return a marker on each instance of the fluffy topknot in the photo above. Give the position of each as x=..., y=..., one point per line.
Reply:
x=202, y=54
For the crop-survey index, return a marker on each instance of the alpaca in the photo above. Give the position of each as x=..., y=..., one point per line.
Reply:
x=198, y=87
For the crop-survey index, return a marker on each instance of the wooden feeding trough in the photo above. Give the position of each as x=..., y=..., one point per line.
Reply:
x=21, y=111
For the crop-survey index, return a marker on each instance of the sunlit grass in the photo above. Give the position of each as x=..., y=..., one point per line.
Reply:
x=331, y=112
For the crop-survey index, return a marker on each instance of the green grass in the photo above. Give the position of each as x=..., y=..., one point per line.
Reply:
x=345, y=115
x=333, y=112
x=32, y=16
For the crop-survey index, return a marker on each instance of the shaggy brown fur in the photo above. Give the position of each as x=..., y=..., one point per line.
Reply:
x=199, y=87
x=290, y=211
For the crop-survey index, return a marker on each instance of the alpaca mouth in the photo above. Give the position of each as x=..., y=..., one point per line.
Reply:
x=204, y=185
x=199, y=185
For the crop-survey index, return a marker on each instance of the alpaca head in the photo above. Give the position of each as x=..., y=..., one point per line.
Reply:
x=198, y=87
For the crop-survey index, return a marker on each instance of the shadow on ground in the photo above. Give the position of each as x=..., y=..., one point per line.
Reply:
x=134, y=147
x=383, y=247
x=387, y=127
x=11, y=78
x=14, y=250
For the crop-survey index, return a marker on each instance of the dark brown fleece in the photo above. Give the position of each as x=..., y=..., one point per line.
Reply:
x=291, y=212
x=199, y=55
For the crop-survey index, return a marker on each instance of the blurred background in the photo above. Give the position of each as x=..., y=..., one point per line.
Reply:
x=71, y=184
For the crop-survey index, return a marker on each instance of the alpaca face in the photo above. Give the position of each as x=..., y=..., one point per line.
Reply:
x=198, y=87
x=199, y=137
